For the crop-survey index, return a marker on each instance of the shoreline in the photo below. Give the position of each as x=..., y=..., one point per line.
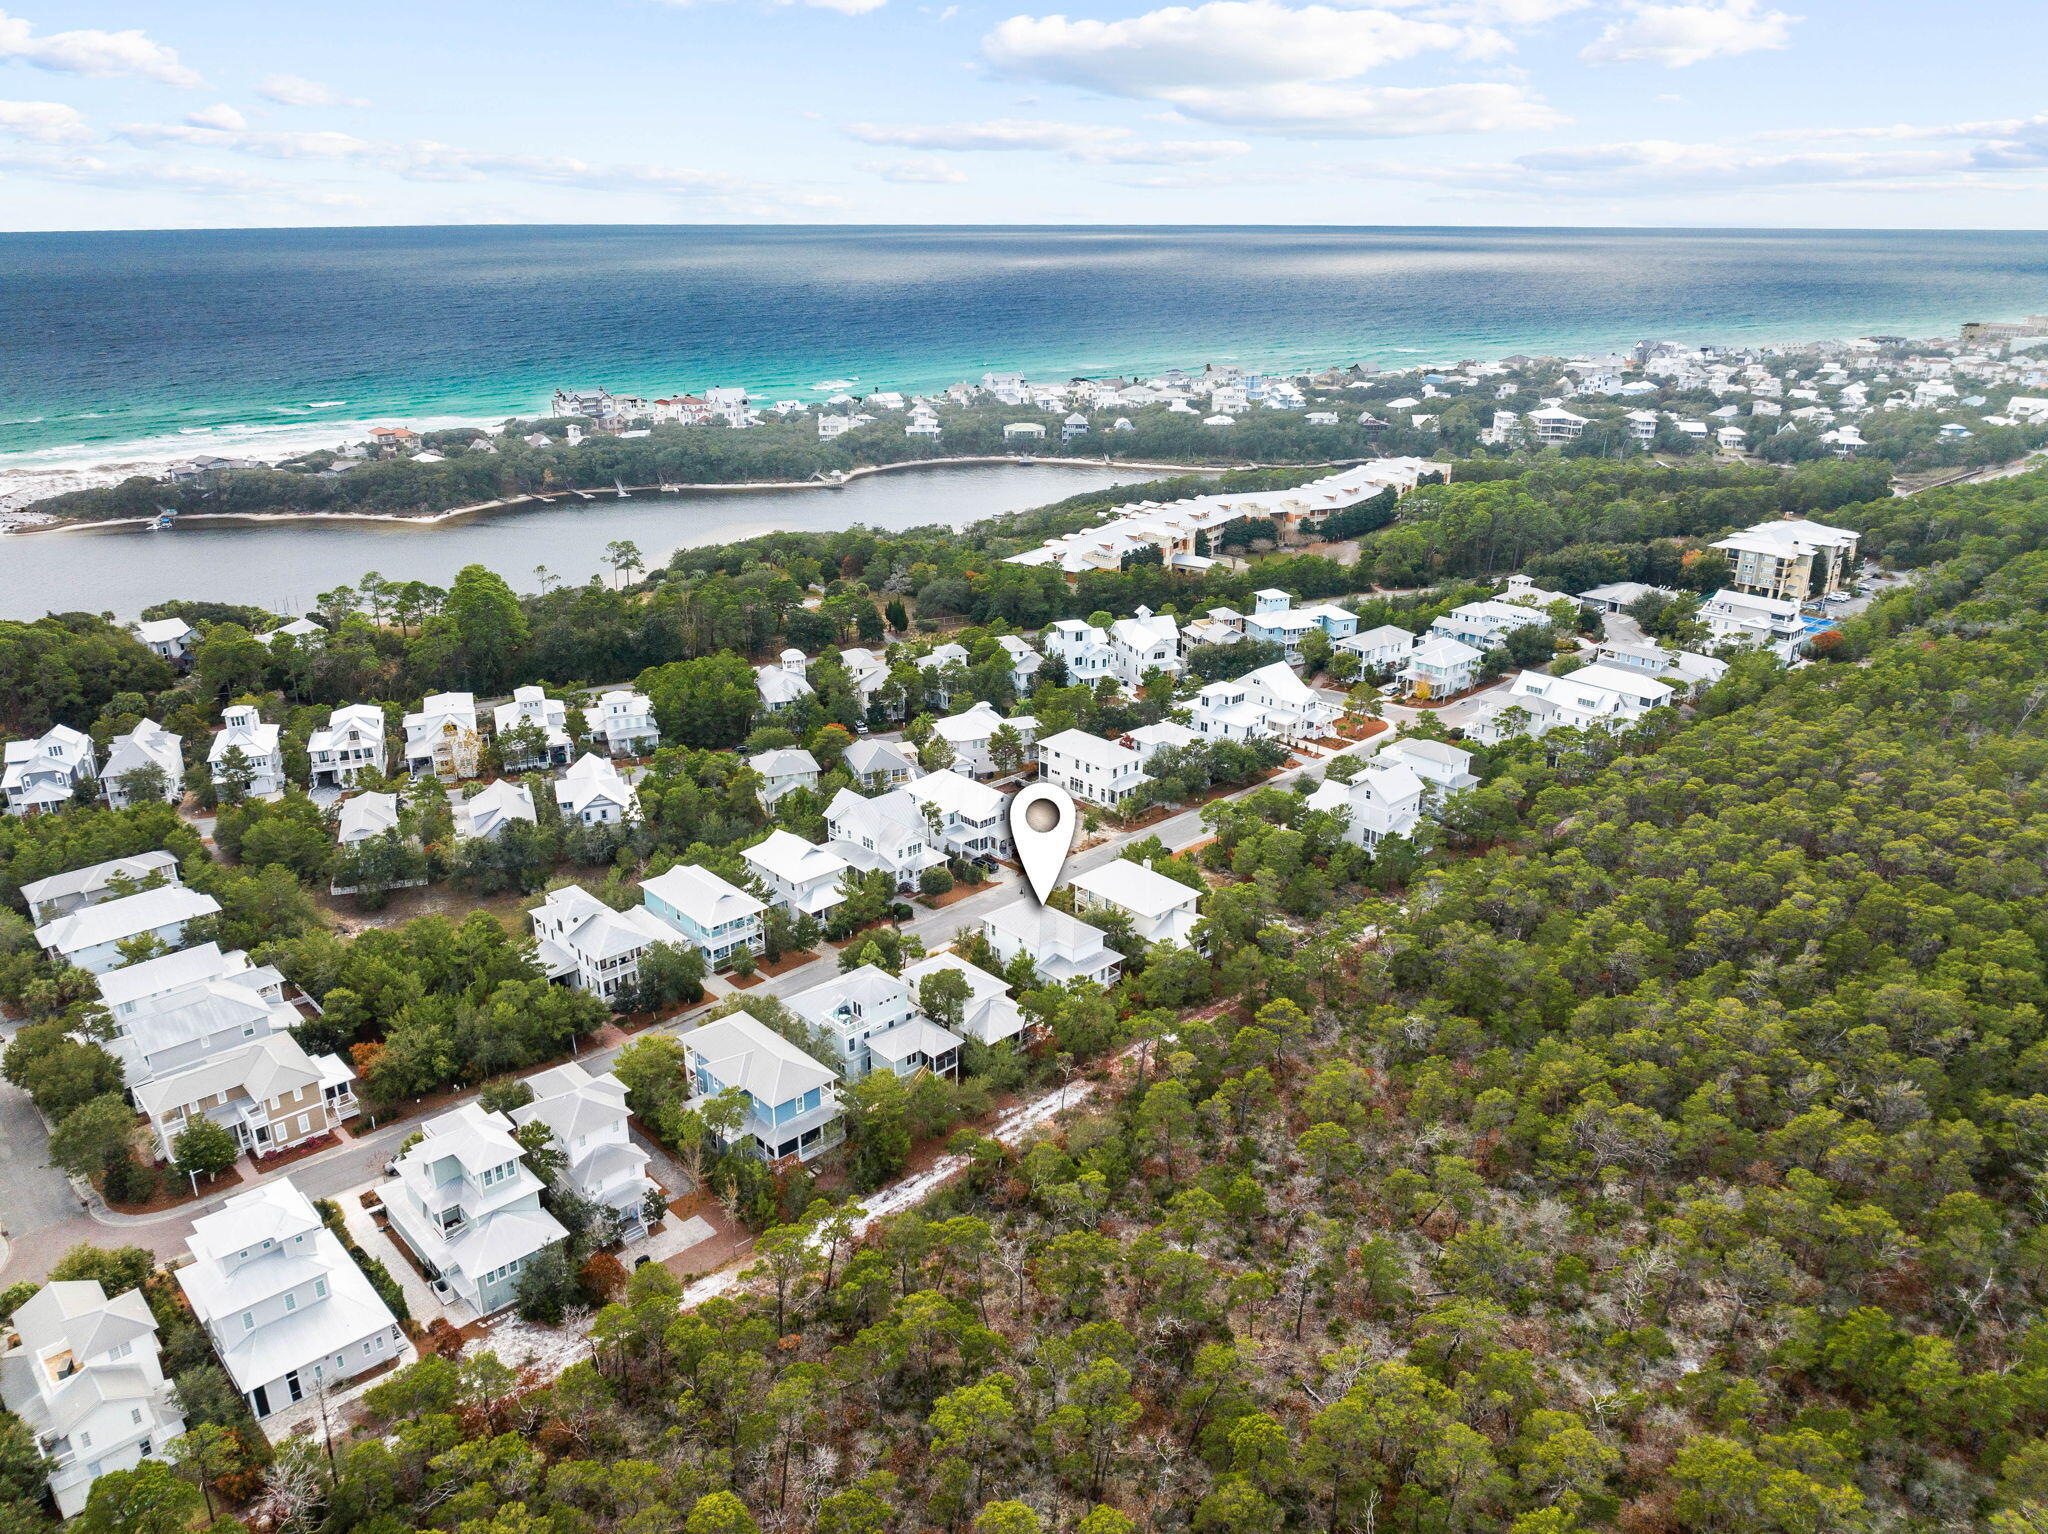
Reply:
x=433, y=518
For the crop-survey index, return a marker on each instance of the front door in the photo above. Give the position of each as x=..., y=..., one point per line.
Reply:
x=261, y=1400
x=291, y=1383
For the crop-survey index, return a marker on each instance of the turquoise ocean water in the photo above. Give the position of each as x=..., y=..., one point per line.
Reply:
x=140, y=344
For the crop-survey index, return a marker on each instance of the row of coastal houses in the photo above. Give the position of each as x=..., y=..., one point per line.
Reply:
x=442, y=738
x=199, y=1033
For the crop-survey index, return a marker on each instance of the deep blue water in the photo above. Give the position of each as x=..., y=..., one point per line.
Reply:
x=132, y=343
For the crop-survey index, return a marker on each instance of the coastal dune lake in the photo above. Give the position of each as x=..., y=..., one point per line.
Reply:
x=284, y=565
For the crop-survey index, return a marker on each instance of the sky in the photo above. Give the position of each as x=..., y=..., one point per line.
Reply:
x=141, y=114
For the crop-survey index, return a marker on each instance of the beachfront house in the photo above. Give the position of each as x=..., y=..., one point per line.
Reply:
x=594, y=793
x=587, y=1115
x=585, y=944
x=624, y=721
x=349, y=747
x=1091, y=768
x=781, y=771
x=61, y=894
x=248, y=753
x=85, y=1376
x=1059, y=947
x=287, y=1310
x=889, y=833
x=792, y=1101
x=92, y=938
x=41, y=774
x=1159, y=909
x=800, y=876
x=469, y=1207
x=532, y=730
x=714, y=917
x=486, y=813
x=442, y=738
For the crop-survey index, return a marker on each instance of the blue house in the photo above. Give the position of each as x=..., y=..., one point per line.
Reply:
x=792, y=1100
x=1276, y=620
x=715, y=917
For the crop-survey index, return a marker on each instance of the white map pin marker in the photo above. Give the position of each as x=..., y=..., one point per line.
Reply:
x=1042, y=820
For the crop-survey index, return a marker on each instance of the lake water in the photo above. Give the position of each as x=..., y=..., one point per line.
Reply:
x=284, y=565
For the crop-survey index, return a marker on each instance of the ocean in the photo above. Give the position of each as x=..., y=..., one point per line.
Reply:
x=136, y=346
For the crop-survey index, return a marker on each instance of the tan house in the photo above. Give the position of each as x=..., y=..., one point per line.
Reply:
x=269, y=1094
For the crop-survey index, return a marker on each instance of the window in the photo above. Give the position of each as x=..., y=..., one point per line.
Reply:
x=291, y=1302
x=85, y=1440
x=248, y=1320
x=320, y=1288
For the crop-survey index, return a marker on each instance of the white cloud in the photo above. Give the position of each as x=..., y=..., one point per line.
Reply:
x=924, y=172
x=1086, y=142
x=1680, y=34
x=46, y=122
x=220, y=116
x=1264, y=67
x=87, y=52
x=431, y=161
x=297, y=91
x=1495, y=13
x=1223, y=43
x=1314, y=110
x=85, y=169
